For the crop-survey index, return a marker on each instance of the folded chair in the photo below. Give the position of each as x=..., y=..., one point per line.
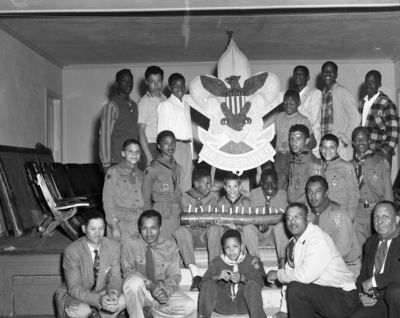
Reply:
x=61, y=211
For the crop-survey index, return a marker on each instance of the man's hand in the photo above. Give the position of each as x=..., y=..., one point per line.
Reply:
x=272, y=276
x=159, y=292
x=366, y=301
x=105, y=169
x=280, y=315
x=282, y=262
x=367, y=286
x=263, y=228
x=225, y=275
x=229, y=225
x=235, y=277
x=107, y=304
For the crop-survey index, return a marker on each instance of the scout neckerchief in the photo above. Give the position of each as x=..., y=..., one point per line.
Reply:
x=132, y=172
x=381, y=253
x=325, y=164
x=198, y=202
x=320, y=210
x=268, y=198
x=235, y=264
x=234, y=203
x=173, y=168
x=297, y=160
x=359, y=168
x=327, y=112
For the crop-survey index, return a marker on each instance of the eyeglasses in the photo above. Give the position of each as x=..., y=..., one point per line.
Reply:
x=297, y=217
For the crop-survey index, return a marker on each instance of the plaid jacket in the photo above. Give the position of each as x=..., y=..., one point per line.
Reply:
x=383, y=124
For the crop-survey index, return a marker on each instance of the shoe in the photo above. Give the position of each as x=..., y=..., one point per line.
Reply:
x=95, y=313
x=195, y=283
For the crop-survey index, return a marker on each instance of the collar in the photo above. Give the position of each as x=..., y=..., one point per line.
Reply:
x=234, y=202
x=270, y=196
x=195, y=194
x=307, y=232
x=176, y=100
x=373, y=98
x=365, y=156
x=303, y=91
x=322, y=208
x=292, y=115
x=165, y=163
x=91, y=248
x=151, y=95
x=127, y=166
x=153, y=245
x=391, y=236
x=327, y=164
x=229, y=262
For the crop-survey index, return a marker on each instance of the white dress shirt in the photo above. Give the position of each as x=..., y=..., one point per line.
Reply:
x=367, y=106
x=174, y=115
x=92, y=249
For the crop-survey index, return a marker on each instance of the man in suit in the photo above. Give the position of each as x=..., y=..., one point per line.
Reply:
x=92, y=270
x=310, y=102
x=379, y=281
x=316, y=279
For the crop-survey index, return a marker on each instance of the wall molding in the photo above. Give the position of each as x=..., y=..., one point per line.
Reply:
x=30, y=45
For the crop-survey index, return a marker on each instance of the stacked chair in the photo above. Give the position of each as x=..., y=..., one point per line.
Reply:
x=64, y=193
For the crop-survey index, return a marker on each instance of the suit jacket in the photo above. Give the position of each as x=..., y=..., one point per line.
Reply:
x=78, y=272
x=391, y=271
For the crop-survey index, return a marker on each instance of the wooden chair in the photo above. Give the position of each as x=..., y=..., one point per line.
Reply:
x=61, y=210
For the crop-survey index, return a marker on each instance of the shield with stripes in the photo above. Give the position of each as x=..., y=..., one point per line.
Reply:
x=235, y=101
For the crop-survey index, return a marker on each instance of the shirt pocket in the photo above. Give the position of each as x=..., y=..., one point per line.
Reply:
x=140, y=262
x=375, y=181
x=124, y=187
x=338, y=188
x=377, y=119
x=165, y=181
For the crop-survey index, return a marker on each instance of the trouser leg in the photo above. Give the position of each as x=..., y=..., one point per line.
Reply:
x=179, y=305
x=253, y=301
x=213, y=241
x=392, y=299
x=136, y=296
x=213, y=298
x=282, y=164
x=183, y=156
x=363, y=223
x=378, y=310
x=281, y=237
x=186, y=239
x=306, y=300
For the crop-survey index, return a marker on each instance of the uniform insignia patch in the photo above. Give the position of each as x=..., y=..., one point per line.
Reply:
x=350, y=169
x=337, y=219
x=108, y=176
x=375, y=177
x=297, y=184
x=165, y=187
x=255, y=263
x=146, y=172
x=334, y=183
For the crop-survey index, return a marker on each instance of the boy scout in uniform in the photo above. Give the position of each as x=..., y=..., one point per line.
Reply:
x=373, y=176
x=339, y=173
x=330, y=217
x=198, y=199
x=303, y=166
x=161, y=183
x=274, y=200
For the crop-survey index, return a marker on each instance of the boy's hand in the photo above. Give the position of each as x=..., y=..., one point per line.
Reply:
x=219, y=222
x=235, y=277
x=230, y=225
x=225, y=275
x=272, y=276
x=116, y=232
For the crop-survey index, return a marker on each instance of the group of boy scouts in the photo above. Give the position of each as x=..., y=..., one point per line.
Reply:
x=338, y=248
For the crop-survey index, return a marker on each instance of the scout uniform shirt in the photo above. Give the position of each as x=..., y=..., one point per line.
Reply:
x=122, y=193
x=161, y=183
x=343, y=186
x=277, y=203
x=192, y=200
x=302, y=167
x=242, y=203
x=334, y=221
x=375, y=183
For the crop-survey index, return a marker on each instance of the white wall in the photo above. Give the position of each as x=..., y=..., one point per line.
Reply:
x=24, y=77
x=85, y=92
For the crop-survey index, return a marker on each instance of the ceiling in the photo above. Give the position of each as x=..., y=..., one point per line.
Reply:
x=73, y=39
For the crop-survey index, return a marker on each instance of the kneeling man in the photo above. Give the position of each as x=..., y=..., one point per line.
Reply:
x=92, y=271
x=151, y=270
x=316, y=279
x=379, y=281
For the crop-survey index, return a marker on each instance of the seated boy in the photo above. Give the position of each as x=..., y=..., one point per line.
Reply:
x=274, y=200
x=234, y=201
x=161, y=185
x=232, y=284
x=373, y=176
x=283, y=121
x=174, y=115
x=303, y=166
x=339, y=173
x=198, y=198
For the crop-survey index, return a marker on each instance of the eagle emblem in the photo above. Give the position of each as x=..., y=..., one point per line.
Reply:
x=235, y=107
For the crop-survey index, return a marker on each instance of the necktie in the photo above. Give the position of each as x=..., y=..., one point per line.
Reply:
x=96, y=267
x=150, y=268
x=132, y=176
x=290, y=253
x=380, y=256
x=359, y=168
